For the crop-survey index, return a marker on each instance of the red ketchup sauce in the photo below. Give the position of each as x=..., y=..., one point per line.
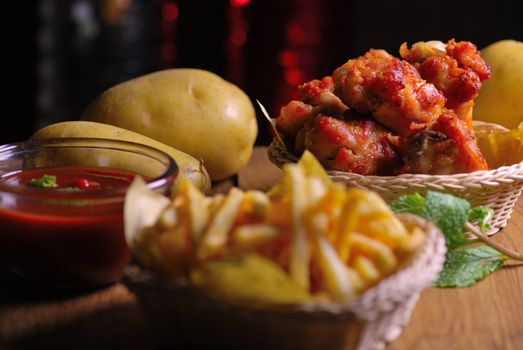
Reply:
x=67, y=235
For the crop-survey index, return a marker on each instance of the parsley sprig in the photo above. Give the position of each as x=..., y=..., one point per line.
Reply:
x=46, y=181
x=464, y=266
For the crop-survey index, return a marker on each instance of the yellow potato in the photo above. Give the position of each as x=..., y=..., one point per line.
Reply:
x=189, y=167
x=192, y=110
x=501, y=98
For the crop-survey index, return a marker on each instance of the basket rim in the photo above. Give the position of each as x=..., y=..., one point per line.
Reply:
x=515, y=169
x=431, y=254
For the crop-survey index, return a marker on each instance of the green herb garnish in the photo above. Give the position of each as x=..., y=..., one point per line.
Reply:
x=453, y=215
x=46, y=181
x=482, y=217
x=464, y=267
x=449, y=213
x=412, y=203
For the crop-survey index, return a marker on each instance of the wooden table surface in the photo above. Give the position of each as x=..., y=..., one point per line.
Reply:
x=486, y=316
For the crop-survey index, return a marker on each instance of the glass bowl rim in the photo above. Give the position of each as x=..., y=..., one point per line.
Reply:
x=9, y=150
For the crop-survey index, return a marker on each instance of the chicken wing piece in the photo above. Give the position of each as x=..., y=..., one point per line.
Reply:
x=448, y=147
x=320, y=94
x=456, y=69
x=353, y=145
x=316, y=97
x=389, y=89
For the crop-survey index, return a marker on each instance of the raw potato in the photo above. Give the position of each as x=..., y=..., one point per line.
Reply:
x=190, y=168
x=501, y=98
x=192, y=110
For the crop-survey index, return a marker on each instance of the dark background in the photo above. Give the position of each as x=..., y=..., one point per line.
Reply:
x=62, y=53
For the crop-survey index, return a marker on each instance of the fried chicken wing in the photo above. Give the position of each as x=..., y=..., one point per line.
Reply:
x=389, y=89
x=456, y=69
x=353, y=145
x=316, y=97
x=448, y=147
x=380, y=115
x=320, y=94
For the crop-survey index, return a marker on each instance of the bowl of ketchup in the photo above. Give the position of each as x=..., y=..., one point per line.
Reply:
x=61, y=206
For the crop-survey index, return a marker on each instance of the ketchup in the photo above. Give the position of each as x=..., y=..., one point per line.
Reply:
x=70, y=234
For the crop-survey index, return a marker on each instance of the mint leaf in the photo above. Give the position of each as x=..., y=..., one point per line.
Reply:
x=46, y=181
x=409, y=203
x=464, y=267
x=450, y=214
x=482, y=217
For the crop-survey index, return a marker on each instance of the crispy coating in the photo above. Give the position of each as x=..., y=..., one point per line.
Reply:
x=448, y=147
x=353, y=145
x=379, y=115
x=316, y=97
x=293, y=117
x=456, y=69
x=389, y=89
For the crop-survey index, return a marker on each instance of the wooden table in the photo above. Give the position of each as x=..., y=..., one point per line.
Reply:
x=486, y=316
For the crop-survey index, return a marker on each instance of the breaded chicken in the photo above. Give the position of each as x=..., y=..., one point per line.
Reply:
x=456, y=69
x=316, y=97
x=354, y=145
x=380, y=115
x=447, y=147
x=390, y=90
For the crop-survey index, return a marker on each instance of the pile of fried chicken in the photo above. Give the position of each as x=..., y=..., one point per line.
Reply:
x=380, y=115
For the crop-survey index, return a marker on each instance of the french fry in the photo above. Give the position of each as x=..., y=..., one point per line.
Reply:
x=197, y=208
x=311, y=167
x=334, y=271
x=413, y=243
x=315, y=190
x=246, y=236
x=350, y=237
x=381, y=254
x=299, y=250
x=173, y=244
x=259, y=201
x=331, y=204
x=366, y=212
x=167, y=219
x=366, y=269
x=384, y=227
x=215, y=236
x=358, y=284
x=214, y=203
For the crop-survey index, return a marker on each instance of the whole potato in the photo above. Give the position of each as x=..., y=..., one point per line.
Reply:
x=189, y=167
x=192, y=110
x=501, y=98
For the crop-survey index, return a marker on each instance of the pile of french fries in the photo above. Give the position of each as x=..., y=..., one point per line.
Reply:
x=327, y=239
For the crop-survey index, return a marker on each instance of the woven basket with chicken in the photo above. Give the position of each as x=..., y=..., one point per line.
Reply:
x=399, y=126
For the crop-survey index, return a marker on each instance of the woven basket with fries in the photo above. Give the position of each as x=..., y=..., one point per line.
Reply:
x=185, y=317
x=498, y=188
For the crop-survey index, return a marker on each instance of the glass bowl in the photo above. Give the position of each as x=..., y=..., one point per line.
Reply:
x=72, y=235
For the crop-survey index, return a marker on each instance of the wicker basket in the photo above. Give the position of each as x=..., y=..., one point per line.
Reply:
x=184, y=318
x=498, y=189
